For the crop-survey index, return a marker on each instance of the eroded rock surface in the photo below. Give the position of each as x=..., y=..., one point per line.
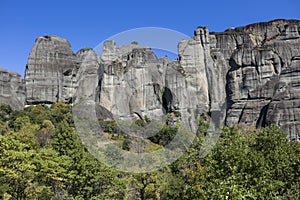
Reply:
x=197, y=80
x=48, y=70
x=131, y=81
x=246, y=75
x=54, y=72
x=12, y=90
x=263, y=76
x=134, y=82
x=86, y=78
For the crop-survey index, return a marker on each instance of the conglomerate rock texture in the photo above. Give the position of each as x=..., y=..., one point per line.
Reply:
x=246, y=75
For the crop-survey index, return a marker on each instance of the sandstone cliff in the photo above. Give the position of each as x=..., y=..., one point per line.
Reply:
x=54, y=72
x=130, y=81
x=263, y=74
x=12, y=89
x=246, y=75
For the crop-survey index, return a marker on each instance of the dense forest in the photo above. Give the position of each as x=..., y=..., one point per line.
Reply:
x=42, y=157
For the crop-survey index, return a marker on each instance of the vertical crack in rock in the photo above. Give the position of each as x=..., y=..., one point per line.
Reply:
x=242, y=113
x=262, y=119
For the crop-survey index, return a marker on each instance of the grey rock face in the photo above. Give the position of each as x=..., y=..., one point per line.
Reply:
x=12, y=90
x=247, y=76
x=197, y=80
x=262, y=81
x=131, y=81
x=50, y=64
x=54, y=72
x=134, y=81
x=86, y=78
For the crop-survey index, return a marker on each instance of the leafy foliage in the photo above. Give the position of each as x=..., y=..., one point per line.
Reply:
x=259, y=165
x=165, y=135
x=42, y=157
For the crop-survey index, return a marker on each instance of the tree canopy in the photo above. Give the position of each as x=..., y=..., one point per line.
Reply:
x=42, y=157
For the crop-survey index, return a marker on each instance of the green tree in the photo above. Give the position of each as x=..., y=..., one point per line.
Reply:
x=160, y=184
x=21, y=122
x=16, y=169
x=4, y=129
x=261, y=164
x=27, y=135
x=45, y=134
x=90, y=177
x=165, y=135
x=229, y=167
x=190, y=169
x=61, y=111
x=27, y=173
x=5, y=111
x=280, y=167
x=51, y=174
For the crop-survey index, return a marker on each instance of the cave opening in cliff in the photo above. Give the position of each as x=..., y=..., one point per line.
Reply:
x=167, y=99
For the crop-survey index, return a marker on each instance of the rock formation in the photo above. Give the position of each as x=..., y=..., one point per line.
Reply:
x=85, y=77
x=54, y=72
x=12, y=89
x=131, y=81
x=246, y=75
x=50, y=65
x=197, y=80
x=263, y=74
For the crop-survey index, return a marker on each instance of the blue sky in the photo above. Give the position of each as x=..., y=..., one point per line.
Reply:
x=86, y=23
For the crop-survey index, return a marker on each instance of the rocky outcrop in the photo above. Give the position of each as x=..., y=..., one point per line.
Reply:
x=246, y=75
x=263, y=74
x=86, y=75
x=12, y=90
x=197, y=80
x=48, y=71
x=54, y=72
x=131, y=81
